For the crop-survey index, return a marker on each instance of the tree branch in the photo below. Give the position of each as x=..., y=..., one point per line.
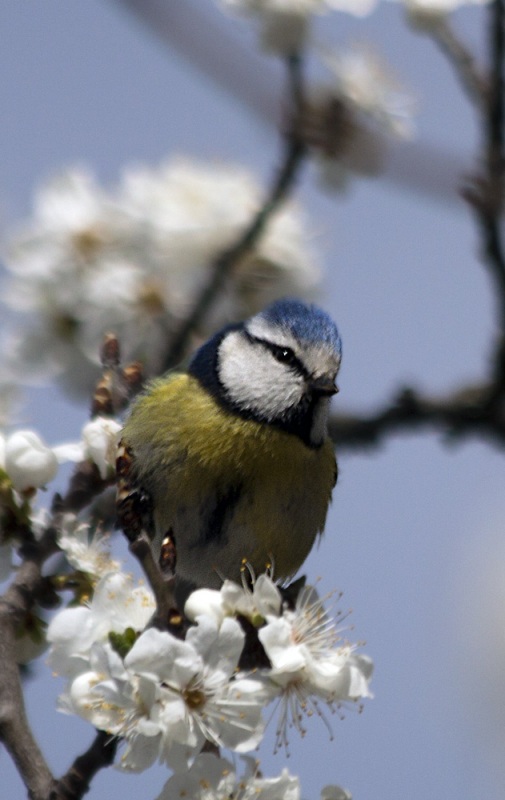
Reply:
x=226, y=262
x=474, y=84
x=76, y=782
x=467, y=412
x=473, y=410
x=486, y=194
x=14, y=728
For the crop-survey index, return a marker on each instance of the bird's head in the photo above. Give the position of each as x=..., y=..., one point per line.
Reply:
x=277, y=367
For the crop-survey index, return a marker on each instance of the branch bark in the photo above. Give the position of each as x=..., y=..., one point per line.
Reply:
x=467, y=412
x=15, y=731
x=76, y=782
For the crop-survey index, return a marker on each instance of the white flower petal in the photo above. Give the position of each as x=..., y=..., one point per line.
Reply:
x=29, y=463
x=132, y=260
x=100, y=439
x=205, y=601
x=73, y=451
x=155, y=652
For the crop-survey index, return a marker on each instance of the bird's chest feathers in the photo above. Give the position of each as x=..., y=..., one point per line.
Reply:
x=221, y=476
x=264, y=464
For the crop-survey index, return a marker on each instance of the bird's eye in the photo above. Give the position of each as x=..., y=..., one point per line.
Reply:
x=285, y=355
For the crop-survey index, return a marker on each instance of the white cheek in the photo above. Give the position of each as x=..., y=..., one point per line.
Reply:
x=255, y=380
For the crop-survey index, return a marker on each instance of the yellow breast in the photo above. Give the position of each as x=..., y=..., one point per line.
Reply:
x=228, y=488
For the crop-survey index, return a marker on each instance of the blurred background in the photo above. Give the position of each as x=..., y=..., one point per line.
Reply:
x=415, y=536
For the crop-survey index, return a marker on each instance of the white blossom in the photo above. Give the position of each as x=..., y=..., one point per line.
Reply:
x=284, y=787
x=86, y=550
x=311, y=663
x=200, y=700
x=209, y=778
x=364, y=81
x=100, y=438
x=213, y=778
x=117, y=605
x=207, y=602
x=348, y=117
x=104, y=694
x=256, y=603
x=285, y=24
x=165, y=697
x=29, y=462
x=133, y=260
x=170, y=696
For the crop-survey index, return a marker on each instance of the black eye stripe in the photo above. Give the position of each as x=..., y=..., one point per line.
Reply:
x=285, y=355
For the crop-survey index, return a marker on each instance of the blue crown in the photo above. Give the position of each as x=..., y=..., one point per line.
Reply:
x=307, y=323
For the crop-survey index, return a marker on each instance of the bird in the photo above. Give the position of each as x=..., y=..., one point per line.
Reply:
x=233, y=451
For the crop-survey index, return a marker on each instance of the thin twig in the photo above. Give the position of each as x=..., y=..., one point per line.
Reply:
x=85, y=485
x=486, y=194
x=163, y=588
x=226, y=262
x=474, y=84
x=496, y=108
x=491, y=206
x=463, y=414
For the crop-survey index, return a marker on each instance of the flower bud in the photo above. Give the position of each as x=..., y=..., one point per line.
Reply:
x=29, y=462
x=101, y=437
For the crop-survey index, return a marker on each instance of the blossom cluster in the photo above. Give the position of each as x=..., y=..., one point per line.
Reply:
x=347, y=118
x=133, y=261
x=213, y=778
x=27, y=464
x=168, y=697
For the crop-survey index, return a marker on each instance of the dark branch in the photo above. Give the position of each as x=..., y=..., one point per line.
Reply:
x=85, y=484
x=227, y=261
x=495, y=113
x=486, y=194
x=15, y=731
x=468, y=412
x=76, y=782
x=475, y=410
x=491, y=222
x=474, y=84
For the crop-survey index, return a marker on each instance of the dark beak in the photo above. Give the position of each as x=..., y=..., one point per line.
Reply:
x=323, y=386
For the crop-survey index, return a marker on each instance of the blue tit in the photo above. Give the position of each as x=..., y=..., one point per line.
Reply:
x=234, y=453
